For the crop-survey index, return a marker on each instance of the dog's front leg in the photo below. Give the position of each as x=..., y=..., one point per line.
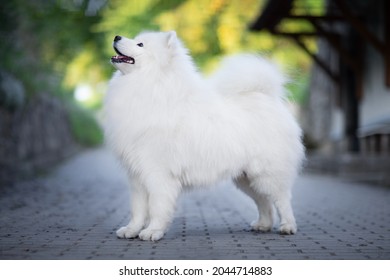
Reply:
x=139, y=210
x=163, y=195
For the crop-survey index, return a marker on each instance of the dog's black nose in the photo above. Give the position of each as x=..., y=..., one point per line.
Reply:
x=117, y=38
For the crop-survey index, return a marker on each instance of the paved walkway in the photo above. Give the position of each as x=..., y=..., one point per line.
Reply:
x=73, y=213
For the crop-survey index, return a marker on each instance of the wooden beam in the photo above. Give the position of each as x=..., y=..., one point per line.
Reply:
x=335, y=78
x=291, y=34
x=327, y=18
x=335, y=43
x=359, y=26
x=297, y=38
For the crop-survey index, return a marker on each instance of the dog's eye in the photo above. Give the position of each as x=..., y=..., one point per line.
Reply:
x=140, y=45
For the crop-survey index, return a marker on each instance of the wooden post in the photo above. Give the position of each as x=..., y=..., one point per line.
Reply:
x=351, y=96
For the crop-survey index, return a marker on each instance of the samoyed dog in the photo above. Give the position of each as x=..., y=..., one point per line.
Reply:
x=173, y=130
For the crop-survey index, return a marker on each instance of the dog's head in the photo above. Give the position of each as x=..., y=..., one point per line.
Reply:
x=149, y=49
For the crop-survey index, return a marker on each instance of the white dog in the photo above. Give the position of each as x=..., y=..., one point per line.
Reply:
x=173, y=129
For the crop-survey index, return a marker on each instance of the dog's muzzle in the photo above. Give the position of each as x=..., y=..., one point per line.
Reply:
x=120, y=58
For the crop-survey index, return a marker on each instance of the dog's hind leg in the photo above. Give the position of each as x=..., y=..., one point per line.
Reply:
x=163, y=194
x=264, y=205
x=278, y=190
x=283, y=206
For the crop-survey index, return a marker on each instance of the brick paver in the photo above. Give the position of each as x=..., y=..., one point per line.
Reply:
x=73, y=213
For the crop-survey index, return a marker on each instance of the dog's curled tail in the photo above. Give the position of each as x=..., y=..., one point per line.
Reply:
x=247, y=73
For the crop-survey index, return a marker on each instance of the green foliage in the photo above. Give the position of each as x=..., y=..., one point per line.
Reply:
x=298, y=88
x=55, y=46
x=40, y=38
x=84, y=126
x=211, y=29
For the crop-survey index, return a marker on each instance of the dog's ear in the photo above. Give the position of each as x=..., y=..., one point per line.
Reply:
x=171, y=39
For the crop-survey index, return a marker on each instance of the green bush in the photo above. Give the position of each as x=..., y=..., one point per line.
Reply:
x=85, y=128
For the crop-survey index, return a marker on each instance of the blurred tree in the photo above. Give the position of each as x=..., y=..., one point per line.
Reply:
x=211, y=29
x=61, y=44
x=39, y=38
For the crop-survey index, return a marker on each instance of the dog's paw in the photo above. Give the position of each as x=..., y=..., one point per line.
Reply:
x=287, y=229
x=127, y=232
x=151, y=234
x=260, y=226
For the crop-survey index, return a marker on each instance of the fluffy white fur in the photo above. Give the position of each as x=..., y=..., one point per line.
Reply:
x=173, y=130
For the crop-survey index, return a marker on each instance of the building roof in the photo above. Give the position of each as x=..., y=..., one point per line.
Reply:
x=276, y=11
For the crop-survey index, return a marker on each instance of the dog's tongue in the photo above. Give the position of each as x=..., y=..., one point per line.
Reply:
x=122, y=59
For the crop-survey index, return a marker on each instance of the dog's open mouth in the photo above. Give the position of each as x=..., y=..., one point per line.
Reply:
x=121, y=58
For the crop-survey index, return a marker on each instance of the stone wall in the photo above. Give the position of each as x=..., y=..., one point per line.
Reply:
x=33, y=137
